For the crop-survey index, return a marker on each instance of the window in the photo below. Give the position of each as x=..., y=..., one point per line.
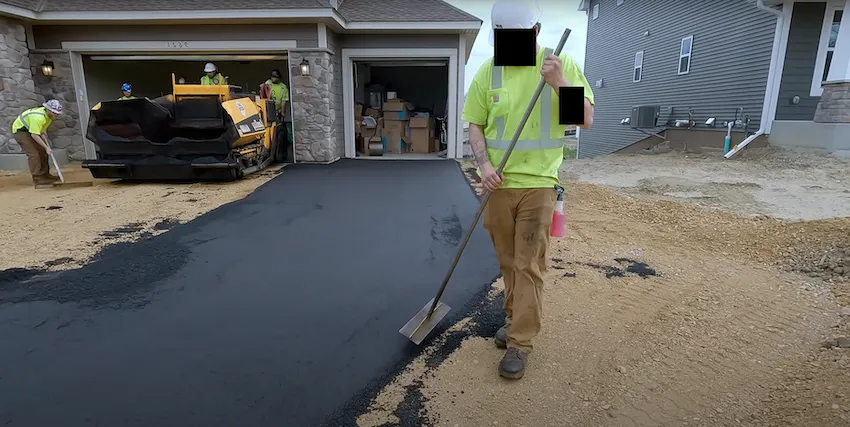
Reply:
x=829, y=35
x=595, y=10
x=638, y=74
x=685, y=50
x=619, y=2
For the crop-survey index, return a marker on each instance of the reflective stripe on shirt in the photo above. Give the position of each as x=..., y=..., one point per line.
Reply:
x=546, y=141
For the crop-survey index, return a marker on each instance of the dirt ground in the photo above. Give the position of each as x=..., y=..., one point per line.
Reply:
x=685, y=294
x=59, y=228
x=664, y=309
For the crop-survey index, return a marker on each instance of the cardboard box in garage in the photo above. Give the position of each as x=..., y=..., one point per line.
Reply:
x=400, y=126
x=422, y=134
x=396, y=142
x=397, y=109
x=371, y=132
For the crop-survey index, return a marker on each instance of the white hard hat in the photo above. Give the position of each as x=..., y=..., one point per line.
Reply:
x=513, y=14
x=53, y=106
x=209, y=68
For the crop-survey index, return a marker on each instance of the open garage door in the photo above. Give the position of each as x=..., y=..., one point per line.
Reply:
x=150, y=75
x=401, y=103
x=408, y=101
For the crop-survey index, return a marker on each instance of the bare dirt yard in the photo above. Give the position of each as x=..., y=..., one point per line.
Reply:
x=59, y=228
x=690, y=291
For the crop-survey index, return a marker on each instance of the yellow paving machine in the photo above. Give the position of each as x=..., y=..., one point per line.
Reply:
x=198, y=132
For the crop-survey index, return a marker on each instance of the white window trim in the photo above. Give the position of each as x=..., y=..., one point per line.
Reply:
x=595, y=10
x=636, y=66
x=689, y=55
x=823, y=47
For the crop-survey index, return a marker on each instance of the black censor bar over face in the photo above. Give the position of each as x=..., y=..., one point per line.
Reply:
x=517, y=48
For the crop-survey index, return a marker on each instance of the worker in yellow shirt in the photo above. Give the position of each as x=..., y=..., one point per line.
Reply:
x=213, y=77
x=519, y=213
x=279, y=91
x=30, y=131
x=127, y=92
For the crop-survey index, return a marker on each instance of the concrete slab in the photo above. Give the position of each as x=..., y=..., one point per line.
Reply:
x=18, y=162
x=275, y=310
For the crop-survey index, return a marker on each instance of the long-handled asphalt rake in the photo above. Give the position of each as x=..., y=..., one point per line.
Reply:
x=434, y=311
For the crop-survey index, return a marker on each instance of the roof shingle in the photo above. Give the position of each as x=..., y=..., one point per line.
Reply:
x=351, y=10
x=148, y=5
x=24, y=4
x=403, y=11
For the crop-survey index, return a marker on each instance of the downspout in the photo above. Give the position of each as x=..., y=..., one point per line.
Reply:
x=771, y=76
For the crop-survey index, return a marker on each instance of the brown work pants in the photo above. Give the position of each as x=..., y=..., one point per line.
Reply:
x=519, y=222
x=36, y=157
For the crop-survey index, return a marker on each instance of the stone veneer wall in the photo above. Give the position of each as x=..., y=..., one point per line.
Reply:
x=314, y=108
x=17, y=90
x=66, y=130
x=834, y=104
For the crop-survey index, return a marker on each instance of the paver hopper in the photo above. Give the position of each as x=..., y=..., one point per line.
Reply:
x=198, y=132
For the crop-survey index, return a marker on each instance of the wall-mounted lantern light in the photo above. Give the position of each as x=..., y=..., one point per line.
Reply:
x=305, y=67
x=47, y=69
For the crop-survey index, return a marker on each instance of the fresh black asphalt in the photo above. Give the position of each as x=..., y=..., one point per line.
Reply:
x=280, y=309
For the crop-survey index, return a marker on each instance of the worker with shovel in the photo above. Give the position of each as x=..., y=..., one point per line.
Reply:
x=519, y=213
x=30, y=132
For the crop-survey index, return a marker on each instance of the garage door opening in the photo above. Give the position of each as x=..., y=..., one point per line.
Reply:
x=401, y=108
x=150, y=75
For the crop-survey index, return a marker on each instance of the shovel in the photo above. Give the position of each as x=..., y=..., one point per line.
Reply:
x=417, y=328
x=58, y=169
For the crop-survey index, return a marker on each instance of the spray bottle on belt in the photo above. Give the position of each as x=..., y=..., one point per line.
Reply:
x=559, y=220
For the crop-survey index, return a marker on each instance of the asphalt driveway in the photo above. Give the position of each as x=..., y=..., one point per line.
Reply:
x=278, y=309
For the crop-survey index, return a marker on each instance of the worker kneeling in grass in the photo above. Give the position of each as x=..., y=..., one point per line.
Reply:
x=519, y=213
x=30, y=131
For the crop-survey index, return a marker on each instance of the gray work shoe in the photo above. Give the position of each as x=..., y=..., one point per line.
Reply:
x=501, y=338
x=513, y=364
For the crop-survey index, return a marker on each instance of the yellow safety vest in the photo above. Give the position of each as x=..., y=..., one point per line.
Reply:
x=280, y=93
x=534, y=163
x=35, y=121
x=206, y=80
x=126, y=97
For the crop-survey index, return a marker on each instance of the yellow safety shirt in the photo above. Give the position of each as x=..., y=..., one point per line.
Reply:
x=497, y=100
x=280, y=93
x=126, y=97
x=35, y=121
x=206, y=80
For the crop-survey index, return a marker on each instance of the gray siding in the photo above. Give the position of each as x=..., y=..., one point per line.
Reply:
x=52, y=36
x=800, y=58
x=729, y=64
x=336, y=91
x=420, y=41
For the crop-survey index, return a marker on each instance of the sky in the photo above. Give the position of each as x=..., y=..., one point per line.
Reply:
x=556, y=15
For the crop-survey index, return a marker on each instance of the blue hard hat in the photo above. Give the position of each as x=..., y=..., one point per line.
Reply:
x=126, y=87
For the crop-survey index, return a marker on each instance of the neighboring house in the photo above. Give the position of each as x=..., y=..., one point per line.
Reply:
x=92, y=46
x=777, y=70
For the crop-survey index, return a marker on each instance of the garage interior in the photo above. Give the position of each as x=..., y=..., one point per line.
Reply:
x=398, y=106
x=150, y=75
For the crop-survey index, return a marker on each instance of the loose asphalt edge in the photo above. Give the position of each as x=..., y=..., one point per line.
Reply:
x=84, y=286
x=486, y=313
